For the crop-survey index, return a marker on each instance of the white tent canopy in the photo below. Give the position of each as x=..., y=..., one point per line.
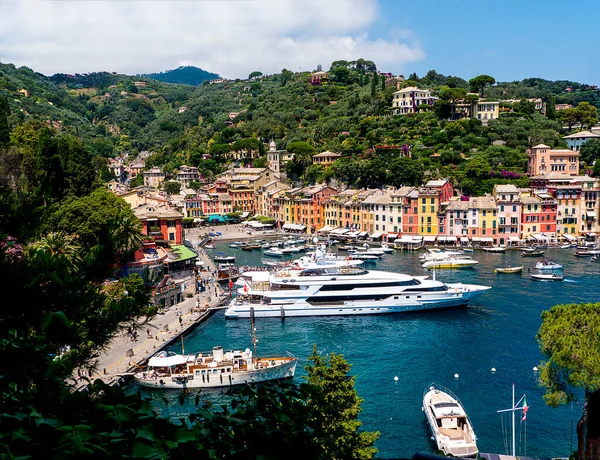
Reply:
x=429, y=238
x=294, y=227
x=513, y=238
x=569, y=237
x=376, y=235
x=325, y=229
x=166, y=361
x=447, y=238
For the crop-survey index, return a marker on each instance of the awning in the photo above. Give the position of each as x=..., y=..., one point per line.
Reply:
x=446, y=238
x=590, y=213
x=539, y=237
x=198, y=219
x=464, y=239
x=487, y=240
x=513, y=238
x=376, y=235
x=151, y=219
x=167, y=361
x=591, y=234
x=182, y=252
x=245, y=214
x=429, y=239
x=363, y=234
x=476, y=239
x=340, y=231
x=294, y=227
x=569, y=237
x=325, y=229
x=391, y=236
x=351, y=235
x=418, y=238
x=406, y=239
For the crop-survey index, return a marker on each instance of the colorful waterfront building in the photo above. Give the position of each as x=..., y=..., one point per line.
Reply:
x=590, y=207
x=483, y=217
x=338, y=209
x=161, y=223
x=508, y=203
x=432, y=196
x=306, y=205
x=457, y=217
x=538, y=219
x=374, y=212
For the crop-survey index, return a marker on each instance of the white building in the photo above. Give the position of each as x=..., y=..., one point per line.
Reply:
x=409, y=99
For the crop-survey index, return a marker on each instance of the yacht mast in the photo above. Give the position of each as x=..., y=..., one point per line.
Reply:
x=513, y=410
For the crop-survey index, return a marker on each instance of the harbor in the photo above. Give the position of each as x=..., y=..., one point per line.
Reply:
x=496, y=331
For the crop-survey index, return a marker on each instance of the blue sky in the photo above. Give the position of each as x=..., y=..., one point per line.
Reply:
x=508, y=39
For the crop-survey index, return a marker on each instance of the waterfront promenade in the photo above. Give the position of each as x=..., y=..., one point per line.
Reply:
x=123, y=353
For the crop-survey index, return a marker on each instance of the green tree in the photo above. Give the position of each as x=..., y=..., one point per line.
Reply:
x=587, y=114
x=335, y=409
x=479, y=83
x=405, y=171
x=590, y=151
x=195, y=185
x=4, y=127
x=374, y=84
x=137, y=181
x=172, y=187
x=569, y=116
x=286, y=76
x=254, y=75
x=569, y=339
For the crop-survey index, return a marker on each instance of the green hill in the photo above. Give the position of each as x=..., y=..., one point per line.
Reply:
x=185, y=75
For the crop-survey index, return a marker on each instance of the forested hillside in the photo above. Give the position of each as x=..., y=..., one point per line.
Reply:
x=351, y=114
x=185, y=75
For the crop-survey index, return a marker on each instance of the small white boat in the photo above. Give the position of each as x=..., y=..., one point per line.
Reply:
x=220, y=257
x=547, y=277
x=168, y=370
x=548, y=264
x=509, y=270
x=494, y=249
x=235, y=244
x=450, y=426
x=291, y=250
x=467, y=249
x=385, y=248
x=363, y=256
x=565, y=246
x=209, y=246
x=274, y=252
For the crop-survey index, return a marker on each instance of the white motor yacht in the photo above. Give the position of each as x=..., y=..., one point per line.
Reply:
x=449, y=423
x=323, y=285
x=450, y=262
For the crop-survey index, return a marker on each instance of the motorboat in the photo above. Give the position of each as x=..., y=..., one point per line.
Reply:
x=439, y=254
x=449, y=424
x=548, y=264
x=235, y=244
x=530, y=252
x=450, y=262
x=291, y=250
x=274, y=252
x=246, y=247
x=326, y=285
x=547, y=276
x=468, y=249
x=587, y=252
x=494, y=249
x=363, y=256
x=565, y=246
x=509, y=269
x=222, y=257
x=168, y=370
x=209, y=246
x=387, y=249
x=265, y=245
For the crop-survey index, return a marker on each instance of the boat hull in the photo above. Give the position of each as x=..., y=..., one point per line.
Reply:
x=283, y=371
x=391, y=305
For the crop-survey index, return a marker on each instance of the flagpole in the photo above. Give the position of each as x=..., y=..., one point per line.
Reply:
x=513, y=409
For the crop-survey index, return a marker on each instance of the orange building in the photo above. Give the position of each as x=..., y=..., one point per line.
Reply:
x=542, y=159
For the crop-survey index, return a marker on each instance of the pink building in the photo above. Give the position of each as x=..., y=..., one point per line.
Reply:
x=508, y=202
x=542, y=159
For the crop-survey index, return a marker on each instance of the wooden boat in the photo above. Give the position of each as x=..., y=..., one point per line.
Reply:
x=449, y=424
x=547, y=277
x=532, y=253
x=509, y=270
x=246, y=247
x=168, y=370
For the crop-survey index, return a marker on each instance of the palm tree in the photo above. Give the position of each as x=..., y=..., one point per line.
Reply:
x=56, y=250
x=125, y=236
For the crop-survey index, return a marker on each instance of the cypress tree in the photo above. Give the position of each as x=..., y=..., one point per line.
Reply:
x=4, y=128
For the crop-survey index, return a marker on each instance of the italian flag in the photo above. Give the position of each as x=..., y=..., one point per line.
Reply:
x=525, y=409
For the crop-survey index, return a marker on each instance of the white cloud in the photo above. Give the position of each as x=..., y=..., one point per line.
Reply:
x=231, y=38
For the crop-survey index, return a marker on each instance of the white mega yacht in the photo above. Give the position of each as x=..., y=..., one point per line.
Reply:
x=322, y=285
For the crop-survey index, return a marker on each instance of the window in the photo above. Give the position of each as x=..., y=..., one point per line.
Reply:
x=171, y=224
x=432, y=200
x=171, y=236
x=501, y=208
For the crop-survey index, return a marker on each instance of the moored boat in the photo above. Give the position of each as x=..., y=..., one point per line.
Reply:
x=274, y=252
x=548, y=264
x=209, y=246
x=168, y=370
x=449, y=424
x=532, y=253
x=222, y=257
x=450, y=262
x=547, y=277
x=494, y=249
x=509, y=269
x=325, y=285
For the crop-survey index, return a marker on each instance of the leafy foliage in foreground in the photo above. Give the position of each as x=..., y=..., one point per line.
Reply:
x=569, y=338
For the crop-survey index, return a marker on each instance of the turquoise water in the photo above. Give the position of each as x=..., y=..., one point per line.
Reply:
x=419, y=348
